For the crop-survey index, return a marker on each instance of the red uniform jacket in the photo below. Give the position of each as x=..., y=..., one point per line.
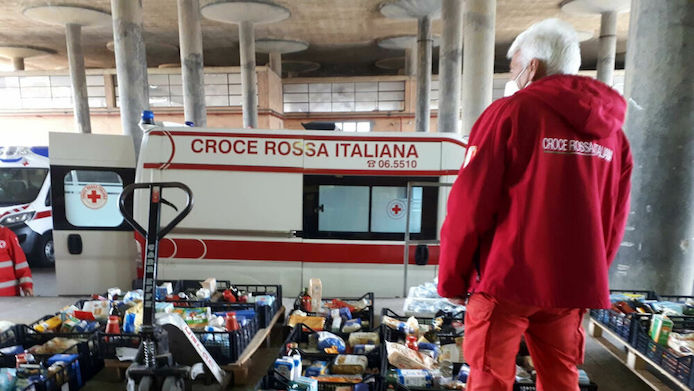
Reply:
x=538, y=210
x=14, y=270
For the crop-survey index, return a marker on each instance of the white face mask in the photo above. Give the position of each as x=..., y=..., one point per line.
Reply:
x=512, y=86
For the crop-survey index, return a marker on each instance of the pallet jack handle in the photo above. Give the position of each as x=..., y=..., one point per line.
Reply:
x=156, y=197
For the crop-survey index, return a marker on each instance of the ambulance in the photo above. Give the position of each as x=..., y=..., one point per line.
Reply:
x=270, y=207
x=25, y=202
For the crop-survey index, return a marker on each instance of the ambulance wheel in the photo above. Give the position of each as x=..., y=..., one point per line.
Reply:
x=145, y=384
x=45, y=252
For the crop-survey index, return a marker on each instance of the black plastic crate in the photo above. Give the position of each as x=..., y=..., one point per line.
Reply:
x=367, y=314
x=137, y=284
x=300, y=334
x=619, y=322
x=11, y=336
x=265, y=313
x=532, y=387
x=226, y=346
x=90, y=361
x=108, y=343
x=447, y=335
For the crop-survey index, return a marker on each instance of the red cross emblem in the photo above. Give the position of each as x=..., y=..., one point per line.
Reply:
x=26, y=163
x=94, y=196
x=394, y=209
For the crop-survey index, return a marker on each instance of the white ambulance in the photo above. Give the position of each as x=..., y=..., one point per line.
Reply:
x=270, y=206
x=25, y=202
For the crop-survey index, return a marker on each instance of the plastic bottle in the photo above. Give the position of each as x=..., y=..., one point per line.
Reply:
x=112, y=326
x=293, y=352
x=129, y=323
x=306, y=302
x=231, y=323
x=315, y=289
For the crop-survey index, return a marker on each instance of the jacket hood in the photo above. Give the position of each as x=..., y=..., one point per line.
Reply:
x=591, y=107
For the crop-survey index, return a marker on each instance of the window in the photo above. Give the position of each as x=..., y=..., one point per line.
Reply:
x=20, y=185
x=367, y=208
x=91, y=198
x=343, y=208
x=344, y=97
x=354, y=126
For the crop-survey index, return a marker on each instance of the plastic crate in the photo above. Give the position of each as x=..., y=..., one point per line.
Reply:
x=226, y=346
x=300, y=334
x=108, y=343
x=446, y=336
x=619, y=322
x=532, y=387
x=265, y=313
x=366, y=314
x=137, y=284
x=87, y=350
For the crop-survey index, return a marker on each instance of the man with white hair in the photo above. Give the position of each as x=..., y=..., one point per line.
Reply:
x=537, y=214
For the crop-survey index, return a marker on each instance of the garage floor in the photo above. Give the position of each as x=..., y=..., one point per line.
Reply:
x=602, y=368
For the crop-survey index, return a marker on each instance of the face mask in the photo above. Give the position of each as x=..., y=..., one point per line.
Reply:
x=511, y=86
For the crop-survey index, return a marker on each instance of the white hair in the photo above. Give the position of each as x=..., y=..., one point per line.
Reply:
x=552, y=41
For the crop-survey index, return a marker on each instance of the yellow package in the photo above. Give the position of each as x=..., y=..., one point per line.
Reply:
x=49, y=325
x=315, y=322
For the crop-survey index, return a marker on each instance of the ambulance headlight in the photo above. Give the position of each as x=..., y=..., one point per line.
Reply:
x=16, y=218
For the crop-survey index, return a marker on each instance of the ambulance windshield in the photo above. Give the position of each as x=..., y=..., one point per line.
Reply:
x=20, y=185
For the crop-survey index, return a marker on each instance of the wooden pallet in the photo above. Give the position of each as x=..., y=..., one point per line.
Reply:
x=636, y=361
x=239, y=369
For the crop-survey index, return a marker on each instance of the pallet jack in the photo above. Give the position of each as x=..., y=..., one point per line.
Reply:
x=154, y=367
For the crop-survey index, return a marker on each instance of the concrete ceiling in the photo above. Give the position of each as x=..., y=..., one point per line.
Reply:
x=342, y=34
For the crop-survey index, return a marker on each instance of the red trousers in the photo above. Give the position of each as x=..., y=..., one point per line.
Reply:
x=493, y=330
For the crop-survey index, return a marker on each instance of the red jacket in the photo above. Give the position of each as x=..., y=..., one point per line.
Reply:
x=14, y=270
x=538, y=210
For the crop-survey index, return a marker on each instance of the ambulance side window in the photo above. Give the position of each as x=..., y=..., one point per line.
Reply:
x=91, y=198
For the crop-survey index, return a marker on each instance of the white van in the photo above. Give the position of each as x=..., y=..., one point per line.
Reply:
x=270, y=206
x=25, y=202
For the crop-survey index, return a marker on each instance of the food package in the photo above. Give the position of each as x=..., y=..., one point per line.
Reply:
x=348, y=379
x=315, y=290
x=315, y=322
x=352, y=325
x=430, y=349
x=304, y=384
x=317, y=368
x=137, y=310
x=413, y=324
x=285, y=367
x=402, y=357
x=349, y=365
x=396, y=324
x=661, y=327
x=99, y=308
x=682, y=344
x=210, y=284
x=163, y=307
x=337, y=320
x=54, y=346
x=363, y=338
x=452, y=352
x=329, y=342
x=195, y=317
x=203, y=294
x=49, y=325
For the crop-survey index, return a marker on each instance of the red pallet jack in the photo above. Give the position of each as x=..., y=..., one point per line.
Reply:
x=154, y=367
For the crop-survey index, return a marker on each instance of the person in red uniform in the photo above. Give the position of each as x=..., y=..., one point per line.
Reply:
x=15, y=275
x=537, y=214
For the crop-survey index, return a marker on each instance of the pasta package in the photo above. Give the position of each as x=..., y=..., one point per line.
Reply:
x=349, y=364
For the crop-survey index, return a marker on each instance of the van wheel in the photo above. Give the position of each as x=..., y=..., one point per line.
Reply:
x=45, y=252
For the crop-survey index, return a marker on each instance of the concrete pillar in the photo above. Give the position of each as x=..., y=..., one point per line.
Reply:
x=192, y=65
x=75, y=57
x=450, y=66
x=411, y=62
x=131, y=65
x=276, y=63
x=424, y=44
x=248, y=77
x=18, y=63
x=607, y=48
x=478, y=59
x=657, y=251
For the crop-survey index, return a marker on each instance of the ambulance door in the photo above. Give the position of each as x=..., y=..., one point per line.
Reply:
x=94, y=247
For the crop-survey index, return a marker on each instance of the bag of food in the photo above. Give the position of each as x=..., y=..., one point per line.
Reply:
x=363, y=338
x=328, y=342
x=315, y=322
x=402, y=357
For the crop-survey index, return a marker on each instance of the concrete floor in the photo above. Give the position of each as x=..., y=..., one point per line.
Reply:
x=602, y=368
